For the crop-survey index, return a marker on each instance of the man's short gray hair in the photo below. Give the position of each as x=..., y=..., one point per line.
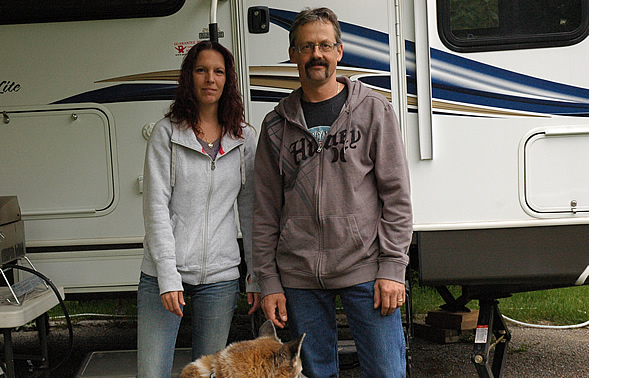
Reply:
x=309, y=15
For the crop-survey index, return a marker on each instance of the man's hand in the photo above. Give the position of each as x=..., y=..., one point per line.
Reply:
x=388, y=295
x=275, y=308
x=172, y=301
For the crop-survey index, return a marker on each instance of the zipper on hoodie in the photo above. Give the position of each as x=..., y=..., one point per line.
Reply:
x=318, y=188
x=205, y=221
x=213, y=165
x=318, y=203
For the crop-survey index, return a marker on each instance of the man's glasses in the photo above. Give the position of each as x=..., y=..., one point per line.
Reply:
x=308, y=48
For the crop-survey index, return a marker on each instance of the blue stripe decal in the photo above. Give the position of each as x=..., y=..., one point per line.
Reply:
x=512, y=77
x=463, y=80
x=259, y=95
x=454, y=79
x=124, y=93
x=508, y=102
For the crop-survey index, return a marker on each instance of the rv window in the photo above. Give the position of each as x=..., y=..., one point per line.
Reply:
x=483, y=25
x=36, y=11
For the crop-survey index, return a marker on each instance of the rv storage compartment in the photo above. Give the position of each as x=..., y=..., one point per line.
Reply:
x=538, y=257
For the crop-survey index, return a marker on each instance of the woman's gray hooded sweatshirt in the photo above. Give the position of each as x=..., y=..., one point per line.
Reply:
x=336, y=215
x=189, y=217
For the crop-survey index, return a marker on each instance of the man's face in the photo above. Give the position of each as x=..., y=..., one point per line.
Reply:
x=316, y=67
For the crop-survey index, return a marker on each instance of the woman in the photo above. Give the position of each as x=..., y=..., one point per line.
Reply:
x=199, y=162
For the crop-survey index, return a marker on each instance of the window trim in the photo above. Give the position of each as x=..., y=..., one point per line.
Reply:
x=15, y=14
x=509, y=42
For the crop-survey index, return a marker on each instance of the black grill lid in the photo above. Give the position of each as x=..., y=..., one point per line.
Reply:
x=9, y=210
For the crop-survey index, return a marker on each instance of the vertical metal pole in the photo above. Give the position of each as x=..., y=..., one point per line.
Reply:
x=423, y=79
x=239, y=31
x=213, y=27
x=8, y=353
x=43, y=346
x=400, y=84
x=409, y=316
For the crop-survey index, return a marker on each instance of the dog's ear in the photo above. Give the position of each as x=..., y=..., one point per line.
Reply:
x=267, y=330
x=291, y=350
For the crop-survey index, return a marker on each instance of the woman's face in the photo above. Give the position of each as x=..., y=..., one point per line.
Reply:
x=209, y=77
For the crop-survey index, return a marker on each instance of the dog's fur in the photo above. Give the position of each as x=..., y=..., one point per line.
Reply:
x=263, y=357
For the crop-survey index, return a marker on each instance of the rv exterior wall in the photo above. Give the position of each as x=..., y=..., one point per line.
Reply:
x=501, y=121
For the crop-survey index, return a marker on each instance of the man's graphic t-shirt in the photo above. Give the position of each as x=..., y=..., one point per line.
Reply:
x=321, y=115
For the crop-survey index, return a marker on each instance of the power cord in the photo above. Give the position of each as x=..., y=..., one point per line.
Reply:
x=547, y=326
x=63, y=307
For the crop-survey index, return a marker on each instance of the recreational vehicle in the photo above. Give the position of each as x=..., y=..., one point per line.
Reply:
x=492, y=98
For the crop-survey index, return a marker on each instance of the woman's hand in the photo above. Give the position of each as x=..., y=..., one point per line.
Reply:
x=254, y=302
x=172, y=301
x=253, y=298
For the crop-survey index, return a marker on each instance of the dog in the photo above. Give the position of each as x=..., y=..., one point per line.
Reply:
x=263, y=357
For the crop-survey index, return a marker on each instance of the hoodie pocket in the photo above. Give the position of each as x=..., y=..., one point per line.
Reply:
x=343, y=245
x=298, y=245
x=180, y=234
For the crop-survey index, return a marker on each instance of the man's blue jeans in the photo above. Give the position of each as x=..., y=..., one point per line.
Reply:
x=212, y=307
x=379, y=339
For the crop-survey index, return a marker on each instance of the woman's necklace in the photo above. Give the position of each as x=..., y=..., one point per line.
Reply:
x=205, y=139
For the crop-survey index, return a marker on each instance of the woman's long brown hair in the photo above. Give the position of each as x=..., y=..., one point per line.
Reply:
x=185, y=108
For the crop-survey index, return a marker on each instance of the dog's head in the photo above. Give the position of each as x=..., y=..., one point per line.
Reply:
x=285, y=361
x=264, y=357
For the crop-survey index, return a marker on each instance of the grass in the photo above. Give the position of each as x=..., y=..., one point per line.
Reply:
x=554, y=307
x=558, y=307
x=564, y=306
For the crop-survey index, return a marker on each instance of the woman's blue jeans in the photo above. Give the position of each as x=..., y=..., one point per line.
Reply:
x=379, y=339
x=212, y=307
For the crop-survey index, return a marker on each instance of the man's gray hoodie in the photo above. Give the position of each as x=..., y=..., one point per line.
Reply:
x=189, y=217
x=335, y=215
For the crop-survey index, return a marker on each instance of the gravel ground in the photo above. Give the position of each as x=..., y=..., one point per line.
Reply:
x=532, y=352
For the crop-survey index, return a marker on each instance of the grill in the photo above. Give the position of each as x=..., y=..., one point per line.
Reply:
x=12, y=245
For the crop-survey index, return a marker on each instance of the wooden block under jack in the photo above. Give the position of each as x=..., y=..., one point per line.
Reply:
x=452, y=320
x=441, y=335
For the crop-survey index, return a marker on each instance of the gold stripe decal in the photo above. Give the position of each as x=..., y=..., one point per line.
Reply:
x=171, y=75
x=285, y=77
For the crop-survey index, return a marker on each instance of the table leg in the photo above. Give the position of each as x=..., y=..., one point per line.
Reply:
x=43, y=346
x=8, y=352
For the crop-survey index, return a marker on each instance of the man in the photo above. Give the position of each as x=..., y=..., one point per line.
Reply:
x=332, y=209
